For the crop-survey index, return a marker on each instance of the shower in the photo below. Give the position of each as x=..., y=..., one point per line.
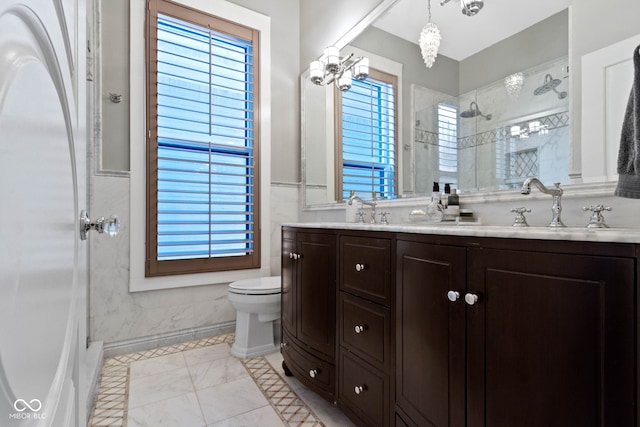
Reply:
x=474, y=111
x=550, y=84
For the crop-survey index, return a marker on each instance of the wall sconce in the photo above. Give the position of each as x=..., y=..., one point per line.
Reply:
x=469, y=7
x=330, y=68
x=533, y=127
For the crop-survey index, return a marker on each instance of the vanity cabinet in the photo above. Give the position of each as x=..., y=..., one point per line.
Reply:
x=511, y=336
x=411, y=329
x=308, y=309
x=364, y=313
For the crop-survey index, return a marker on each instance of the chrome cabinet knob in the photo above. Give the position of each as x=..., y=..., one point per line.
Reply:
x=360, y=328
x=453, y=296
x=360, y=267
x=314, y=373
x=294, y=256
x=110, y=226
x=471, y=299
x=360, y=389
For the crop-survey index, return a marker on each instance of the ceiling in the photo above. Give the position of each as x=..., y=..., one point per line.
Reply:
x=463, y=35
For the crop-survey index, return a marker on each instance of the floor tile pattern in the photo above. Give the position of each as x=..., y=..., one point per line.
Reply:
x=111, y=407
x=292, y=410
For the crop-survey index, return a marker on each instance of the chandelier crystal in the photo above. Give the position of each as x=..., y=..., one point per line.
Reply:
x=513, y=84
x=429, y=41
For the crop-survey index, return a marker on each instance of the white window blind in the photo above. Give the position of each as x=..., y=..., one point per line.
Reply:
x=448, y=143
x=206, y=165
x=369, y=139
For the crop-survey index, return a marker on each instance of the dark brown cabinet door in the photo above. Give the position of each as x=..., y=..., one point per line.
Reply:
x=430, y=333
x=287, y=302
x=316, y=291
x=550, y=340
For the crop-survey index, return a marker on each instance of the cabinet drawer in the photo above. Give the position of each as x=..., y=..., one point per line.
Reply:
x=364, y=390
x=365, y=330
x=365, y=267
x=309, y=369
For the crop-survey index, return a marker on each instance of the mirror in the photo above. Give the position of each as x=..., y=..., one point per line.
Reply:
x=499, y=138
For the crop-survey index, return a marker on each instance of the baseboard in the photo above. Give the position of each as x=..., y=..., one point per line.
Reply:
x=91, y=373
x=161, y=340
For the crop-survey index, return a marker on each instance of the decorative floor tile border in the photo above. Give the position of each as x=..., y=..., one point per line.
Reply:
x=293, y=411
x=110, y=409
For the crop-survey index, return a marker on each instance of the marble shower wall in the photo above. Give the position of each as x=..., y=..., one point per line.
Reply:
x=489, y=158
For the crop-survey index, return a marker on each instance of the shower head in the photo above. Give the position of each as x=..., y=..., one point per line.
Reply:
x=550, y=84
x=474, y=111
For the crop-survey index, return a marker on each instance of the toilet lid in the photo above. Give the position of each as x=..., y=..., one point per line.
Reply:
x=256, y=286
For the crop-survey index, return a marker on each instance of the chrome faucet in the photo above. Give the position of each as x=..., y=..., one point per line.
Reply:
x=372, y=203
x=556, y=193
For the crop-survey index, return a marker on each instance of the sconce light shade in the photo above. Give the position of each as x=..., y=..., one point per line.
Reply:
x=344, y=81
x=316, y=71
x=332, y=59
x=361, y=69
x=471, y=7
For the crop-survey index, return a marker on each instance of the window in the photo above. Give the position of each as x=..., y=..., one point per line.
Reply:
x=448, y=143
x=202, y=148
x=367, y=137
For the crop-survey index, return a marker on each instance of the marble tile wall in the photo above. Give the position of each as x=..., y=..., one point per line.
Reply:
x=116, y=315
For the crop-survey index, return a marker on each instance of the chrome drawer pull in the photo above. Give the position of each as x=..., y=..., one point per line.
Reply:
x=360, y=267
x=360, y=328
x=360, y=388
x=314, y=373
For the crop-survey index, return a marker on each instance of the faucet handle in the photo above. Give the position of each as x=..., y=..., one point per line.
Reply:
x=520, y=220
x=597, y=219
x=383, y=217
x=360, y=215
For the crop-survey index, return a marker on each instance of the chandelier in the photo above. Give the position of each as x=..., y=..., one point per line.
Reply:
x=331, y=68
x=469, y=7
x=513, y=84
x=429, y=41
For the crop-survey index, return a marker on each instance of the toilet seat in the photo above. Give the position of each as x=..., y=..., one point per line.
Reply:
x=256, y=286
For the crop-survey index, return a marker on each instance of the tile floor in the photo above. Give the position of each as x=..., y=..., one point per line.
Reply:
x=201, y=384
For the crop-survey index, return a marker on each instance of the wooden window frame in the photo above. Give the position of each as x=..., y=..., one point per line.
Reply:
x=154, y=267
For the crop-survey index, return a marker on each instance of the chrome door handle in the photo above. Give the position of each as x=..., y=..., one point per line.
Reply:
x=110, y=226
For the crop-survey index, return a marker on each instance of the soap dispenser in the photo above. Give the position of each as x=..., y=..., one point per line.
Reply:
x=435, y=211
x=453, y=208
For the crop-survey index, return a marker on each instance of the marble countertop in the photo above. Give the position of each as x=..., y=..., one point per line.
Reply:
x=619, y=235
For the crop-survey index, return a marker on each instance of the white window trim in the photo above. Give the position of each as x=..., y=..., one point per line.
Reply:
x=224, y=9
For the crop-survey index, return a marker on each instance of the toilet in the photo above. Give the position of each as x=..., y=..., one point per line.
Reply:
x=257, y=302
